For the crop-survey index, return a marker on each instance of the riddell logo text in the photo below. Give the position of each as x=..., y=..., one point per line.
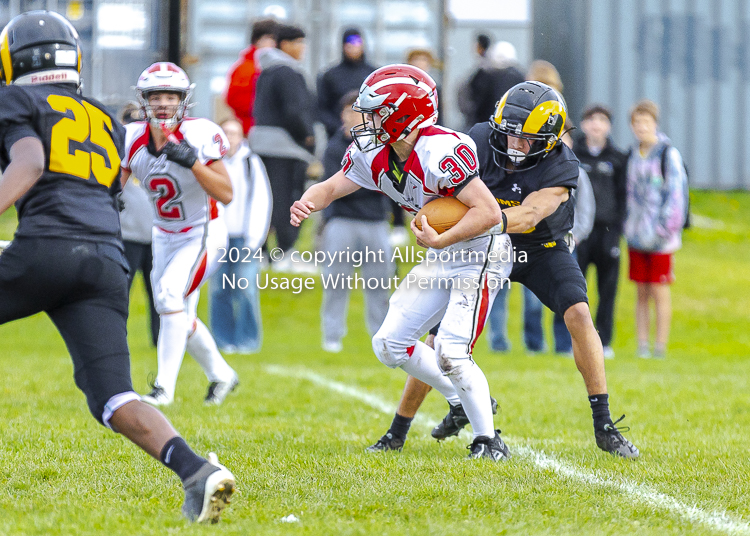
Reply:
x=57, y=77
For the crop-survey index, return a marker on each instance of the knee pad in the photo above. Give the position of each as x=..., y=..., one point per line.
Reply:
x=450, y=359
x=167, y=300
x=113, y=404
x=390, y=355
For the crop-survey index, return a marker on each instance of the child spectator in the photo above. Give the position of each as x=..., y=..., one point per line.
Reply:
x=656, y=184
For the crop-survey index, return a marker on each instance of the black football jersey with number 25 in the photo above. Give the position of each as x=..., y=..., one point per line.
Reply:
x=83, y=146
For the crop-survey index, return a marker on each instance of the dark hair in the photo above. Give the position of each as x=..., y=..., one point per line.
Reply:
x=287, y=32
x=349, y=98
x=596, y=109
x=262, y=28
x=483, y=41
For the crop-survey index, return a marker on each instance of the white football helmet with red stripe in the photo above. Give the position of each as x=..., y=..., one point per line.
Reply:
x=164, y=76
x=394, y=101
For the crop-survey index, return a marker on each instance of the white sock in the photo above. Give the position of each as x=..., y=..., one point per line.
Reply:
x=474, y=391
x=203, y=349
x=423, y=366
x=170, y=349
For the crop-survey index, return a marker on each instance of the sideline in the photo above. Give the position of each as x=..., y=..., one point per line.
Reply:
x=714, y=520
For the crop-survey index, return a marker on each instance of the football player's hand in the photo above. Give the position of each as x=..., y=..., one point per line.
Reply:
x=427, y=237
x=182, y=154
x=300, y=211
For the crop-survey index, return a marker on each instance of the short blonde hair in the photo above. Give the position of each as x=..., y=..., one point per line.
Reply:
x=544, y=72
x=425, y=52
x=645, y=106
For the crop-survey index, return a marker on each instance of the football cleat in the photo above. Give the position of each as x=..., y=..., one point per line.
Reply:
x=386, y=443
x=489, y=447
x=610, y=439
x=208, y=492
x=157, y=397
x=455, y=421
x=218, y=391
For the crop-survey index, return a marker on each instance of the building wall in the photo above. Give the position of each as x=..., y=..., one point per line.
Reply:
x=692, y=57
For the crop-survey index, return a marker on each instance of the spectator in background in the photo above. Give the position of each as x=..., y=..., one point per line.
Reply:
x=283, y=137
x=348, y=75
x=235, y=312
x=355, y=223
x=656, y=196
x=467, y=100
x=605, y=165
x=244, y=74
x=136, y=219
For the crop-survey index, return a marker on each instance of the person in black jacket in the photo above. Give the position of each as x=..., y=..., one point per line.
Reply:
x=342, y=78
x=283, y=137
x=605, y=165
x=354, y=225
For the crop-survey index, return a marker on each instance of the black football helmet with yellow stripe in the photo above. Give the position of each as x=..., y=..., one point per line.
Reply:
x=532, y=111
x=39, y=47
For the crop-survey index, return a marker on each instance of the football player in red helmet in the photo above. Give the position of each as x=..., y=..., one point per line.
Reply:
x=399, y=151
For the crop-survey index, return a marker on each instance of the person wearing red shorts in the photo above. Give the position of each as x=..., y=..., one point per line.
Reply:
x=656, y=197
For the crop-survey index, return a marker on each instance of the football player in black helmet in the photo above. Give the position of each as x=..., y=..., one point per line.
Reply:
x=60, y=156
x=533, y=175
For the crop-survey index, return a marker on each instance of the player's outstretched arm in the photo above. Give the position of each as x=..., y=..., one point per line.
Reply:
x=320, y=195
x=484, y=213
x=536, y=207
x=25, y=168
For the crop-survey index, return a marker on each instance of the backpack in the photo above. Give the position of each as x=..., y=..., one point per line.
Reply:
x=664, y=155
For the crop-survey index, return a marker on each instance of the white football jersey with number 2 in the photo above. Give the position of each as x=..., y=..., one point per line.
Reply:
x=180, y=203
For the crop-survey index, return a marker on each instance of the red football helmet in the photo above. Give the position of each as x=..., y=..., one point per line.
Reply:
x=394, y=101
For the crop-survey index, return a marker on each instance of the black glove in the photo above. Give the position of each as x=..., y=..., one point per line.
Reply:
x=182, y=154
x=120, y=202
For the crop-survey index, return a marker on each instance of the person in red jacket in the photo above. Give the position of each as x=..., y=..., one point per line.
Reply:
x=244, y=73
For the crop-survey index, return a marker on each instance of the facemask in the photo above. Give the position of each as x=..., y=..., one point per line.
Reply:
x=516, y=156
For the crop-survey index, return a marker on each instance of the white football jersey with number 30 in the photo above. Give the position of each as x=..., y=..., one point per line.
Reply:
x=180, y=203
x=443, y=161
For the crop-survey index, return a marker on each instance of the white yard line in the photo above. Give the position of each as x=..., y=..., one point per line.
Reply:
x=714, y=520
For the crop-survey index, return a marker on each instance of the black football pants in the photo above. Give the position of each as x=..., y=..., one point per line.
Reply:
x=85, y=293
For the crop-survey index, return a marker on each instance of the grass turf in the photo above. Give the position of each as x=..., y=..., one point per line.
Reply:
x=296, y=446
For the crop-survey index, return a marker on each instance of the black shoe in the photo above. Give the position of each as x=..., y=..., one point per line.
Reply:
x=609, y=439
x=386, y=443
x=489, y=447
x=455, y=421
x=218, y=391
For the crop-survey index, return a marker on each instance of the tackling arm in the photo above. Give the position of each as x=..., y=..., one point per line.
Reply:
x=484, y=213
x=320, y=195
x=25, y=168
x=535, y=208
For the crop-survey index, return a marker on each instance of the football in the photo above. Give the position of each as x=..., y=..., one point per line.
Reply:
x=442, y=213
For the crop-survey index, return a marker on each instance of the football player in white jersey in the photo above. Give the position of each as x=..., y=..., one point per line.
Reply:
x=398, y=151
x=178, y=160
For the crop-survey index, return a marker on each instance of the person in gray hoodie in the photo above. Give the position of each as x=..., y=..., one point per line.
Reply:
x=283, y=137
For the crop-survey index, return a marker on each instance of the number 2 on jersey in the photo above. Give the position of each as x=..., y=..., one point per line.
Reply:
x=88, y=122
x=167, y=206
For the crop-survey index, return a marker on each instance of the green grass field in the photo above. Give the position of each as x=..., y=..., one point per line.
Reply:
x=295, y=431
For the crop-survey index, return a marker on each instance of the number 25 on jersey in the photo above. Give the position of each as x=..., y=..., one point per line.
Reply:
x=88, y=123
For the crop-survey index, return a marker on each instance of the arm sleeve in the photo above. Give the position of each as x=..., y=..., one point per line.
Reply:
x=452, y=163
x=355, y=168
x=621, y=189
x=585, y=208
x=215, y=143
x=672, y=214
x=563, y=172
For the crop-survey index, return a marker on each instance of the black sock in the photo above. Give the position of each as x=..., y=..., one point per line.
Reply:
x=180, y=458
x=400, y=426
x=600, y=410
